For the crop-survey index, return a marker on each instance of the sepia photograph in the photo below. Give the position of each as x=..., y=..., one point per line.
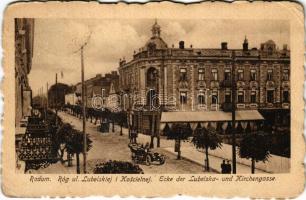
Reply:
x=152, y=96
x=153, y=100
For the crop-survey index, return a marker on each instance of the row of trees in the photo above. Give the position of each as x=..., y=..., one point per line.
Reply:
x=95, y=115
x=253, y=146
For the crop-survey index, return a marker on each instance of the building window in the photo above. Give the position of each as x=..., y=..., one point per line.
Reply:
x=214, y=74
x=253, y=96
x=240, y=97
x=214, y=98
x=270, y=51
x=103, y=96
x=270, y=96
x=228, y=97
x=285, y=96
x=201, y=98
x=151, y=97
x=253, y=75
x=183, y=74
x=152, y=75
x=286, y=75
x=183, y=97
x=201, y=74
x=269, y=74
x=240, y=74
x=227, y=75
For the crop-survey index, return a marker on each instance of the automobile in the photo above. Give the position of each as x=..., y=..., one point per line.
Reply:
x=141, y=154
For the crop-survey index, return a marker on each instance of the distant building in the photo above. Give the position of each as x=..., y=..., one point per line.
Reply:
x=100, y=90
x=162, y=78
x=24, y=39
x=71, y=99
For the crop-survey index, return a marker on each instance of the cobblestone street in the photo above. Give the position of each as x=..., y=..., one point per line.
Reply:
x=112, y=146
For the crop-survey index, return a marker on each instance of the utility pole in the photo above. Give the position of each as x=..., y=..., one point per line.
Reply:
x=47, y=96
x=83, y=103
x=233, y=112
x=56, y=99
x=84, y=109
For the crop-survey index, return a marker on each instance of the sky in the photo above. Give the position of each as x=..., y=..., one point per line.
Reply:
x=56, y=42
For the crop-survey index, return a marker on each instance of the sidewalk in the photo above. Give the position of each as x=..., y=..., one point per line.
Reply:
x=192, y=154
x=189, y=152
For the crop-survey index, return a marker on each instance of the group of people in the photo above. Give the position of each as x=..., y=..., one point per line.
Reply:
x=226, y=168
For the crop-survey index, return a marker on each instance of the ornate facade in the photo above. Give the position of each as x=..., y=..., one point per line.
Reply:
x=162, y=78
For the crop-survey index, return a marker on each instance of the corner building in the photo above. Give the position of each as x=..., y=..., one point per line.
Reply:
x=162, y=79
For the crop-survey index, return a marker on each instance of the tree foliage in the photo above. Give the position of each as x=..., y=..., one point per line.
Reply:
x=255, y=146
x=206, y=138
x=75, y=143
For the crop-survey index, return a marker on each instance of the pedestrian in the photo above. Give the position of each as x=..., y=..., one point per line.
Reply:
x=223, y=167
x=229, y=167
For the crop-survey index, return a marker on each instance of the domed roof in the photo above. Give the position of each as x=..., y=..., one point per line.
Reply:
x=155, y=41
x=270, y=42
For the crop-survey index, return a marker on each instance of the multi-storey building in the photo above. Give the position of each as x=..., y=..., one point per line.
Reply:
x=24, y=38
x=101, y=91
x=160, y=79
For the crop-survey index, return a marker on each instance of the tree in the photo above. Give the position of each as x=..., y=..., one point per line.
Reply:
x=63, y=136
x=254, y=146
x=178, y=132
x=206, y=138
x=75, y=145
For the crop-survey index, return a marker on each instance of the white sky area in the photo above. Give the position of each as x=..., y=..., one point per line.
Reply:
x=56, y=40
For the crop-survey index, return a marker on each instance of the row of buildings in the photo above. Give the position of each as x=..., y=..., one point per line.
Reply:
x=161, y=84
x=100, y=92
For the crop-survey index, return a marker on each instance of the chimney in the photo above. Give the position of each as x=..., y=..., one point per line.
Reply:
x=245, y=44
x=224, y=45
x=181, y=44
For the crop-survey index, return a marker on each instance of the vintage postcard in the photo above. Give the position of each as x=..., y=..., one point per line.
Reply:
x=153, y=100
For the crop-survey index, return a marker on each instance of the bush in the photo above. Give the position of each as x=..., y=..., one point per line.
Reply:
x=117, y=167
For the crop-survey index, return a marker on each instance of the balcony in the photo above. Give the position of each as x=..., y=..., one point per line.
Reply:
x=227, y=106
x=286, y=105
x=240, y=105
x=253, y=106
x=226, y=83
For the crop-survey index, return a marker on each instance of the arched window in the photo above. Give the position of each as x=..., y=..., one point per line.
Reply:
x=270, y=50
x=152, y=77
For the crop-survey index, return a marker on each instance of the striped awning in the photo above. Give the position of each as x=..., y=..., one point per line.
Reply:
x=209, y=116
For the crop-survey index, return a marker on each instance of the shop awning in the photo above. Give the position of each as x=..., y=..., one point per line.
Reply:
x=209, y=116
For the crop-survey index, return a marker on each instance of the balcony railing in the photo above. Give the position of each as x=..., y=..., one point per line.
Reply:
x=226, y=83
x=227, y=106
